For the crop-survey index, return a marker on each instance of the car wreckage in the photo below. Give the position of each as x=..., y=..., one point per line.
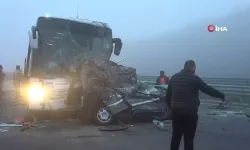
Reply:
x=58, y=48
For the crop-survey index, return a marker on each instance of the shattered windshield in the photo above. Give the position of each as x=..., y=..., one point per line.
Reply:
x=71, y=43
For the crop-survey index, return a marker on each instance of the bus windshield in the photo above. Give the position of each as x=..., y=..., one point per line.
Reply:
x=71, y=43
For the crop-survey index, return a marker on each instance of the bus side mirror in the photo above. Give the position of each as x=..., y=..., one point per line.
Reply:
x=33, y=38
x=118, y=46
x=34, y=30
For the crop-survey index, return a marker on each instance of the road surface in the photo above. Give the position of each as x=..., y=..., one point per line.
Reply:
x=217, y=130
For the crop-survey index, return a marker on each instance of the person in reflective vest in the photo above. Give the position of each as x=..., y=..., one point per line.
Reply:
x=162, y=79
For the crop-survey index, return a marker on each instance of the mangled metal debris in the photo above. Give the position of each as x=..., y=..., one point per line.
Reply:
x=3, y=130
x=220, y=106
x=162, y=124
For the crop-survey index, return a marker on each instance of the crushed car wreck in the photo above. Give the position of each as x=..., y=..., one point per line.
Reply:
x=127, y=103
x=58, y=51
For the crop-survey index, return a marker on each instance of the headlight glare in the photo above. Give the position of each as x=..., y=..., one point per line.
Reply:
x=36, y=93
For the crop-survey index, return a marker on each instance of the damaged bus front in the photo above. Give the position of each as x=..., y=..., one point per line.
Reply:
x=57, y=45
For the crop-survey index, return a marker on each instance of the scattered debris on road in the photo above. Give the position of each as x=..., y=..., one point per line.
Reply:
x=2, y=130
x=225, y=113
x=27, y=126
x=162, y=124
x=19, y=120
x=120, y=127
x=220, y=106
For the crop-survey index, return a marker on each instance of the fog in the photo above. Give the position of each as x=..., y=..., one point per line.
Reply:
x=157, y=36
x=220, y=54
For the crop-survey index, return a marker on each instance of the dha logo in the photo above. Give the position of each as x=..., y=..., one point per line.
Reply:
x=213, y=28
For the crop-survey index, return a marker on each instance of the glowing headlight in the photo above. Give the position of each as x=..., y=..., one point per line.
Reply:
x=36, y=93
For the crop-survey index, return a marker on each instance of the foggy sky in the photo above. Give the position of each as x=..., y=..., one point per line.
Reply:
x=220, y=54
x=138, y=23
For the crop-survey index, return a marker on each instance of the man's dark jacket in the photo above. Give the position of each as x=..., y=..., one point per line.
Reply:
x=183, y=92
x=158, y=80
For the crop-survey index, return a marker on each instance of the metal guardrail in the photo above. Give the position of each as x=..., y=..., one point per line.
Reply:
x=221, y=81
x=232, y=87
x=234, y=90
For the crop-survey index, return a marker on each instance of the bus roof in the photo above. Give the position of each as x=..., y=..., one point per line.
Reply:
x=86, y=21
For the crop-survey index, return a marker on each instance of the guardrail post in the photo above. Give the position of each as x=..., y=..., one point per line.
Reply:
x=241, y=99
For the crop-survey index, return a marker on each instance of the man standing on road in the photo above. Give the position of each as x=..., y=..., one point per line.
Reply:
x=17, y=80
x=162, y=79
x=183, y=101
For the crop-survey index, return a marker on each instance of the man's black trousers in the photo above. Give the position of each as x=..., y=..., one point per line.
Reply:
x=183, y=124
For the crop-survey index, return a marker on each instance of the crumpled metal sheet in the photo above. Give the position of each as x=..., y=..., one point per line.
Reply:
x=121, y=78
x=141, y=103
x=121, y=74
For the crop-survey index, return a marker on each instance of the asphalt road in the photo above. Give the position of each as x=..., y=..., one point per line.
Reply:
x=217, y=130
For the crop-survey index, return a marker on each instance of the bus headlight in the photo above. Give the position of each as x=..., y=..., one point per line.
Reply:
x=36, y=93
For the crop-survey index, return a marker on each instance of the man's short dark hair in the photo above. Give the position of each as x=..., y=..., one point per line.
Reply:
x=161, y=71
x=189, y=64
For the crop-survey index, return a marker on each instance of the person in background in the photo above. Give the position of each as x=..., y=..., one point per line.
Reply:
x=183, y=102
x=17, y=77
x=162, y=79
x=2, y=75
